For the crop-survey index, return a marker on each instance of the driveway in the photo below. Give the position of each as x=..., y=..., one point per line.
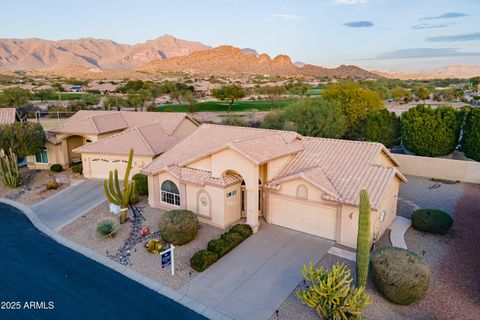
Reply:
x=253, y=280
x=35, y=268
x=67, y=205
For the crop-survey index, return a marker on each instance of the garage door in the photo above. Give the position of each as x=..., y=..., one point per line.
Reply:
x=302, y=216
x=100, y=168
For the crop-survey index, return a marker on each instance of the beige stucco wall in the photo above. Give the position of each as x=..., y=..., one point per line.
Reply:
x=384, y=160
x=275, y=165
x=105, y=163
x=184, y=129
x=55, y=155
x=209, y=202
x=349, y=217
x=456, y=170
x=202, y=164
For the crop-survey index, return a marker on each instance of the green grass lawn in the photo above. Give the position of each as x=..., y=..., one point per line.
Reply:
x=63, y=96
x=315, y=91
x=218, y=106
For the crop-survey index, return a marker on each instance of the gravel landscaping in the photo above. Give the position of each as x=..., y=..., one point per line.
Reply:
x=33, y=188
x=82, y=231
x=454, y=291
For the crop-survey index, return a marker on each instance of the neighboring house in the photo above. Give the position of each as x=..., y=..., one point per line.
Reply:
x=76, y=88
x=7, y=116
x=101, y=140
x=308, y=184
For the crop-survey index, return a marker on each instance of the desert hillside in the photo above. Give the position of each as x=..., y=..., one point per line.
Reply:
x=452, y=71
x=39, y=54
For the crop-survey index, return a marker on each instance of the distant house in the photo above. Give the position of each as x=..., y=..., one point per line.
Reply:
x=7, y=116
x=76, y=88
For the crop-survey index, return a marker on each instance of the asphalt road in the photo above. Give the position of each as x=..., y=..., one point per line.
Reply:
x=35, y=268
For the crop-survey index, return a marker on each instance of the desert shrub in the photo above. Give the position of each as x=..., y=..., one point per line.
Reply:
x=220, y=246
x=106, y=228
x=56, y=167
x=400, y=275
x=471, y=135
x=178, y=226
x=77, y=168
x=243, y=229
x=432, y=220
x=382, y=126
x=202, y=260
x=233, y=238
x=330, y=293
x=141, y=184
x=430, y=132
x=154, y=246
x=52, y=185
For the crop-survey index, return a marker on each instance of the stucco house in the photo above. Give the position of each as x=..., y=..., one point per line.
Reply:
x=7, y=116
x=308, y=184
x=101, y=140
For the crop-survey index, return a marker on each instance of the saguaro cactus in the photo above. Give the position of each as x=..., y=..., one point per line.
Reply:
x=363, y=239
x=117, y=196
x=9, y=169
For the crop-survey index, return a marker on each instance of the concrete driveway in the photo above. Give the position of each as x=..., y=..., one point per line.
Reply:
x=253, y=280
x=67, y=205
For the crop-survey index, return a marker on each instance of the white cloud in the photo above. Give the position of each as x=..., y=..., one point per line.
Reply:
x=350, y=2
x=286, y=16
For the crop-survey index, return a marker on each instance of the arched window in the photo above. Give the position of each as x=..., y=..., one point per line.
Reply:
x=170, y=193
x=302, y=191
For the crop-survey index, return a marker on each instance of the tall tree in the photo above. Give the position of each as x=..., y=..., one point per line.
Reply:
x=114, y=102
x=356, y=102
x=24, y=138
x=310, y=117
x=16, y=97
x=231, y=93
x=43, y=94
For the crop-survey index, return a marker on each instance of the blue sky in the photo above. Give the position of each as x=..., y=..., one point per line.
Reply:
x=376, y=34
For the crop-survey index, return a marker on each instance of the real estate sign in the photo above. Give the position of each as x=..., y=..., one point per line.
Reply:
x=167, y=258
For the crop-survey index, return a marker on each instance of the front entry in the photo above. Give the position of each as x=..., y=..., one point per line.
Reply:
x=243, y=194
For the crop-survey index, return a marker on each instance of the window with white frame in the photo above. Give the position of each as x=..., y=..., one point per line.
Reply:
x=170, y=193
x=231, y=194
x=42, y=157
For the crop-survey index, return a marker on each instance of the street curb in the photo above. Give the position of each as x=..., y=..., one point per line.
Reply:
x=160, y=288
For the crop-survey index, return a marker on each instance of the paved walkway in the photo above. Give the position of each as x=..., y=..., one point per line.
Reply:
x=253, y=280
x=398, y=228
x=67, y=205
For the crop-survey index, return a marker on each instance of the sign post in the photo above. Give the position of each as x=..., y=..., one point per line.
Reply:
x=167, y=258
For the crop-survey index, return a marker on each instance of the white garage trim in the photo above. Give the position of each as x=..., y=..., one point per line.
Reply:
x=303, y=215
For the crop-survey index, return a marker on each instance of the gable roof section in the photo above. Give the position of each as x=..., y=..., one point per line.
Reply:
x=341, y=166
x=203, y=177
x=208, y=139
x=7, y=115
x=97, y=122
x=149, y=140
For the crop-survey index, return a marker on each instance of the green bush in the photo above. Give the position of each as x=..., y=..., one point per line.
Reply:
x=106, y=228
x=400, y=275
x=431, y=132
x=220, y=246
x=52, y=185
x=471, y=135
x=202, y=260
x=243, y=229
x=178, y=226
x=141, y=184
x=77, y=168
x=233, y=238
x=56, y=167
x=384, y=127
x=432, y=220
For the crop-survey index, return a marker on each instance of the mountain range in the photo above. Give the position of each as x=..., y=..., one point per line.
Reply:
x=451, y=71
x=164, y=54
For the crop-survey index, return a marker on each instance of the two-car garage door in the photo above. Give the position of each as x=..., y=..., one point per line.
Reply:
x=303, y=216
